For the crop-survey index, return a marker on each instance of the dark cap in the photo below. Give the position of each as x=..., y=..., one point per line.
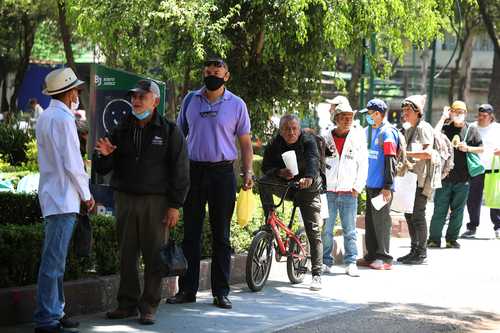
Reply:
x=144, y=86
x=375, y=104
x=486, y=108
x=217, y=62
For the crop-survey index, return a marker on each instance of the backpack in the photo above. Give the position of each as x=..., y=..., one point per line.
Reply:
x=182, y=115
x=321, y=143
x=402, y=162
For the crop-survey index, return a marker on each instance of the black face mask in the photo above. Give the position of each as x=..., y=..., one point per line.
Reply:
x=213, y=82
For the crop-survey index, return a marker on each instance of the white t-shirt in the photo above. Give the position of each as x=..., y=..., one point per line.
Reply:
x=490, y=136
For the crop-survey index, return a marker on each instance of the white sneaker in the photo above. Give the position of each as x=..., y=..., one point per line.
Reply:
x=497, y=233
x=315, y=283
x=352, y=270
x=327, y=269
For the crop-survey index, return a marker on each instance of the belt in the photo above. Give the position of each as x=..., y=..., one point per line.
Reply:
x=212, y=164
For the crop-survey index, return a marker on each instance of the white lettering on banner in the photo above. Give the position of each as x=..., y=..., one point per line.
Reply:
x=373, y=154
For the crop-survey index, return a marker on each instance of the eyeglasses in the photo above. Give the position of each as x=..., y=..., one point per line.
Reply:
x=215, y=63
x=210, y=112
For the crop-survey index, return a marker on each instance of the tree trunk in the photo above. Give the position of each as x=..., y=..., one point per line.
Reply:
x=465, y=69
x=454, y=72
x=65, y=30
x=494, y=95
x=353, y=85
x=28, y=32
x=424, y=70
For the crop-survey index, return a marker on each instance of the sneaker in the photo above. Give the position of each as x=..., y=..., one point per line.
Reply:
x=315, y=283
x=452, y=244
x=411, y=254
x=352, y=270
x=327, y=269
x=377, y=264
x=432, y=244
x=417, y=259
x=497, y=234
x=469, y=234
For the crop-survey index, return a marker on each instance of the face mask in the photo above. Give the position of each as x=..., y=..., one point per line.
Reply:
x=74, y=105
x=459, y=119
x=406, y=125
x=142, y=116
x=370, y=120
x=213, y=82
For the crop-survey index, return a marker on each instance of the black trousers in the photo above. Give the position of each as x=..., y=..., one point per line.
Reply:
x=417, y=225
x=214, y=184
x=378, y=226
x=474, y=204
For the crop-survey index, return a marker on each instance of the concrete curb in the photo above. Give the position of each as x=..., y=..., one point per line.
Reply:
x=97, y=294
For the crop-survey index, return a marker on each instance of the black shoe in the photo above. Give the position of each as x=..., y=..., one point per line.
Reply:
x=222, y=302
x=416, y=259
x=432, y=244
x=66, y=322
x=403, y=258
x=452, y=244
x=53, y=329
x=182, y=297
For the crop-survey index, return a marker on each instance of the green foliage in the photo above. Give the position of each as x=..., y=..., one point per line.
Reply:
x=362, y=203
x=19, y=209
x=13, y=144
x=276, y=50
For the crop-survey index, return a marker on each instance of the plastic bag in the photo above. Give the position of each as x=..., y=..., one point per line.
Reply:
x=173, y=261
x=404, y=194
x=492, y=185
x=245, y=207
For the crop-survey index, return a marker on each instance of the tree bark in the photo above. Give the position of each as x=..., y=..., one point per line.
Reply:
x=28, y=32
x=493, y=96
x=424, y=70
x=465, y=69
x=66, y=36
x=353, y=94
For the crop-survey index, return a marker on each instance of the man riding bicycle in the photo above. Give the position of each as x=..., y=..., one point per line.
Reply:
x=307, y=198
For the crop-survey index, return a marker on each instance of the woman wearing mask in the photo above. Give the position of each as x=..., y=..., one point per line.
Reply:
x=455, y=187
x=419, y=135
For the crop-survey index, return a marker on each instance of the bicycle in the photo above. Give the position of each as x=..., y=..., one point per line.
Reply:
x=293, y=245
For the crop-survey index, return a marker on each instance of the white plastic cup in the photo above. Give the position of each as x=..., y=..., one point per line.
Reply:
x=290, y=160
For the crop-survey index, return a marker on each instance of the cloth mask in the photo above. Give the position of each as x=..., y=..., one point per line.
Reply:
x=370, y=120
x=213, y=82
x=142, y=116
x=74, y=105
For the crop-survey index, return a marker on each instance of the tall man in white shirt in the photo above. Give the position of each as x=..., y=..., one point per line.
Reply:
x=63, y=185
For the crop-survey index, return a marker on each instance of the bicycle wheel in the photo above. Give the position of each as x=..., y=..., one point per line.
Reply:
x=296, y=267
x=259, y=260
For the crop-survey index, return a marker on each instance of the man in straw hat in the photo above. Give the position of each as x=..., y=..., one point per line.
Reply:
x=63, y=185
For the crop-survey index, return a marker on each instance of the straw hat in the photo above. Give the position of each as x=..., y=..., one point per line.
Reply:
x=60, y=80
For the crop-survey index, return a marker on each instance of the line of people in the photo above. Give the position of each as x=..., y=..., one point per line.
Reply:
x=160, y=166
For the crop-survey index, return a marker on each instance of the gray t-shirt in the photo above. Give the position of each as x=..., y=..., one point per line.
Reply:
x=417, y=138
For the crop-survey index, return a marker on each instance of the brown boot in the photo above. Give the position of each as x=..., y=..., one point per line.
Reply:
x=120, y=313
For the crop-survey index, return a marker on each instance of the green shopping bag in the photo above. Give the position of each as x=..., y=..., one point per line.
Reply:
x=492, y=185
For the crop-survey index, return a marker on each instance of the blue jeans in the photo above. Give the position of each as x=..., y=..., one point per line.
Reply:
x=346, y=206
x=50, y=292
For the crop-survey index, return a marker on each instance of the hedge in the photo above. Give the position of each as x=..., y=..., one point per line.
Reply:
x=19, y=208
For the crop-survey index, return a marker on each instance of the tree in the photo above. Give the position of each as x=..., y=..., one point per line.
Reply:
x=490, y=12
x=276, y=50
x=18, y=24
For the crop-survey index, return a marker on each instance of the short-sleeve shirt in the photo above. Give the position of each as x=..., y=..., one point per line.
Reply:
x=377, y=152
x=416, y=138
x=460, y=173
x=214, y=126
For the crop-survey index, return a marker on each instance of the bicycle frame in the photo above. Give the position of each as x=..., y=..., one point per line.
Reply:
x=275, y=223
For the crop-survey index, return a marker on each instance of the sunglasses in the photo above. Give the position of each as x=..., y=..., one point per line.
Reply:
x=215, y=63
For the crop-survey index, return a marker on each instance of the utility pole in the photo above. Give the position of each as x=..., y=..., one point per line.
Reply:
x=428, y=114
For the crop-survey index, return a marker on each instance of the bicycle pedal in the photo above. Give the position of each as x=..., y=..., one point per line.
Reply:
x=302, y=270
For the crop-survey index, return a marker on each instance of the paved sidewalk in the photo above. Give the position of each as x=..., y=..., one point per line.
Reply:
x=457, y=291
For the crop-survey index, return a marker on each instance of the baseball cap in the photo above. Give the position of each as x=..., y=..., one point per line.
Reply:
x=343, y=108
x=338, y=100
x=144, y=86
x=459, y=105
x=486, y=108
x=375, y=104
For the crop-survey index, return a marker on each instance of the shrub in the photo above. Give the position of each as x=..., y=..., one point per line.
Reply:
x=13, y=143
x=19, y=208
